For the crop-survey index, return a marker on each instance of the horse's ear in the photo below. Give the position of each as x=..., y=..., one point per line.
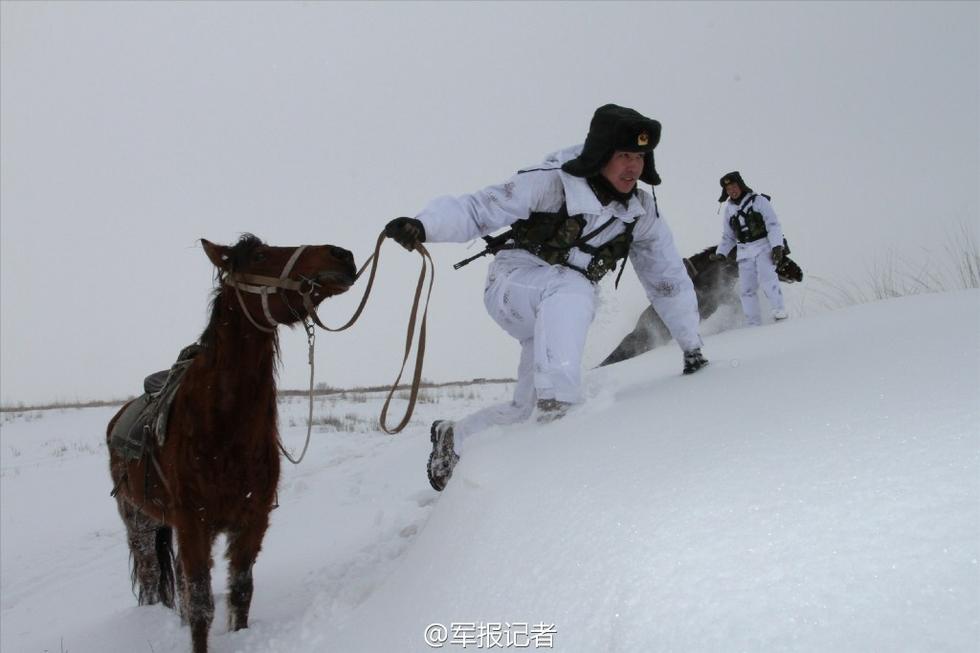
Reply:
x=217, y=253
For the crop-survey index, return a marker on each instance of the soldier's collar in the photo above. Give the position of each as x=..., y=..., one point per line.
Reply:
x=580, y=198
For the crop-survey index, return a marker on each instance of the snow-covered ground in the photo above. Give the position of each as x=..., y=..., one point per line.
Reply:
x=816, y=488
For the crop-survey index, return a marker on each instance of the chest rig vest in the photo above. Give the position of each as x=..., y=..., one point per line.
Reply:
x=747, y=223
x=551, y=237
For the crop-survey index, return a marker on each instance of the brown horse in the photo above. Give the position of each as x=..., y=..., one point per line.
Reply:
x=218, y=467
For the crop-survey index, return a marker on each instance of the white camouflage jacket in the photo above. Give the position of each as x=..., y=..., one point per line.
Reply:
x=750, y=250
x=544, y=188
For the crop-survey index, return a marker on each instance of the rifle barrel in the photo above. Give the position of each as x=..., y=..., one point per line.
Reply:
x=457, y=266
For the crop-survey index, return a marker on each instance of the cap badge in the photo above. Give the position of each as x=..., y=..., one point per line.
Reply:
x=643, y=139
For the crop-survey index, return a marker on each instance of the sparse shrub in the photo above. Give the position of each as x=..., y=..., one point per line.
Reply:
x=329, y=423
x=423, y=397
x=899, y=276
x=349, y=423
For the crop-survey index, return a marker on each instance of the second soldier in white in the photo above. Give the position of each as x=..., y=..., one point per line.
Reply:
x=751, y=226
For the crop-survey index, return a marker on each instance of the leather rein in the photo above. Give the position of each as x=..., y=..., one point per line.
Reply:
x=265, y=285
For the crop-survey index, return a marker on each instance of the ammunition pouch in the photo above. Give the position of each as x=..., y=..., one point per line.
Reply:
x=549, y=236
x=606, y=256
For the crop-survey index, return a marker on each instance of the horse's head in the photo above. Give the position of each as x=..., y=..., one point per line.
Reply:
x=703, y=262
x=714, y=280
x=281, y=284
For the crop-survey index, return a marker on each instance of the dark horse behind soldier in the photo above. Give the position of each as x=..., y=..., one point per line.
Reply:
x=715, y=283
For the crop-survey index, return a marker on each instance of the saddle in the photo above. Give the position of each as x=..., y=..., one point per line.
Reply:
x=144, y=421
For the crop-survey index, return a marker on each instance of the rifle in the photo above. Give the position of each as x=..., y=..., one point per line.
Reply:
x=494, y=245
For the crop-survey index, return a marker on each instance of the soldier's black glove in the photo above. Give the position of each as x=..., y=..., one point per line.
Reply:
x=777, y=254
x=407, y=232
x=718, y=257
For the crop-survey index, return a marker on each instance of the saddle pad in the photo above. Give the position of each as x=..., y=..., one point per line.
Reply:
x=130, y=433
x=145, y=418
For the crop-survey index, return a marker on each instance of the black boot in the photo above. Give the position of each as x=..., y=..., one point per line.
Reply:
x=693, y=361
x=443, y=458
x=551, y=409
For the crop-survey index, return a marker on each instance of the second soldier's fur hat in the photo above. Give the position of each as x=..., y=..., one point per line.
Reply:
x=732, y=177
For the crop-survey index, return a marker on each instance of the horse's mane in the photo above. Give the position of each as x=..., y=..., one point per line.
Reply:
x=238, y=257
x=241, y=252
x=702, y=257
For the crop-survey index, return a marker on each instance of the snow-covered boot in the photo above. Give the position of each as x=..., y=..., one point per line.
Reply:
x=779, y=315
x=443, y=458
x=551, y=409
x=693, y=361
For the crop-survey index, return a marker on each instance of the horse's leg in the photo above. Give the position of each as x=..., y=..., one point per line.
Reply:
x=150, y=546
x=194, y=541
x=243, y=549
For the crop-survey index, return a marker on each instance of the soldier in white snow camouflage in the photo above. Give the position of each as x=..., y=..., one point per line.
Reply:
x=751, y=225
x=569, y=221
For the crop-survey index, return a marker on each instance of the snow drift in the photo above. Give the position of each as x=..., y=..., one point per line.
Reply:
x=816, y=488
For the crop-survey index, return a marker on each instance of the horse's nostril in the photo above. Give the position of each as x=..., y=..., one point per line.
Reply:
x=342, y=254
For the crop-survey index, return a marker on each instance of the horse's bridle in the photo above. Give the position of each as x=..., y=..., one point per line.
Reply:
x=264, y=286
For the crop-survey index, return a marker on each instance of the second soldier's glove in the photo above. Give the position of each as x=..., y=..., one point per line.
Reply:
x=407, y=232
x=777, y=254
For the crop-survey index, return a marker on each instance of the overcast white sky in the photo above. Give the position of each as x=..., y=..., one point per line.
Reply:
x=130, y=130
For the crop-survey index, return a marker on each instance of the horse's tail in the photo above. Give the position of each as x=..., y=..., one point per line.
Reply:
x=163, y=543
x=165, y=557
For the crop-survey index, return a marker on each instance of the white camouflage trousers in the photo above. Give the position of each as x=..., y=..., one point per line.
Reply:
x=755, y=271
x=548, y=309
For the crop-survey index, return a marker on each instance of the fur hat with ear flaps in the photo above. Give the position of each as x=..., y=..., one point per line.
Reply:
x=617, y=128
x=733, y=177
